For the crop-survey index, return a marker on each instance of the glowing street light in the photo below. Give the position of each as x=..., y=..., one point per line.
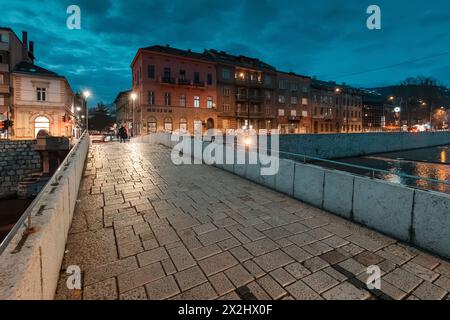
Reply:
x=337, y=90
x=78, y=109
x=133, y=97
x=86, y=95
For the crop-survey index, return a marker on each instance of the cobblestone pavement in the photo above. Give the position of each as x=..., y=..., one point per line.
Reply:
x=147, y=229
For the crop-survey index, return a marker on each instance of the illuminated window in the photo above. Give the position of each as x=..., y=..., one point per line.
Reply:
x=196, y=102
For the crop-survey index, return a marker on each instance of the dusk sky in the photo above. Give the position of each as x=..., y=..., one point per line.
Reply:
x=328, y=39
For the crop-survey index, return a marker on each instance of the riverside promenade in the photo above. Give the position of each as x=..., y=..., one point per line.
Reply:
x=144, y=228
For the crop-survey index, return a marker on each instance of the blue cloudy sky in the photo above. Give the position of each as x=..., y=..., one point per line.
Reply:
x=325, y=38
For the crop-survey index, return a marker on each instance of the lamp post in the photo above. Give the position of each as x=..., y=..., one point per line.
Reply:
x=86, y=95
x=133, y=97
x=337, y=91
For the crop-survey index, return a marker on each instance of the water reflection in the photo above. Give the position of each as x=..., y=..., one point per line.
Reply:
x=431, y=163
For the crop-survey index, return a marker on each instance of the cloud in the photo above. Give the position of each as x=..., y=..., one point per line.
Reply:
x=314, y=37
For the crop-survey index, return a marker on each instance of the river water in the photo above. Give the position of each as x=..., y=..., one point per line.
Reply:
x=431, y=163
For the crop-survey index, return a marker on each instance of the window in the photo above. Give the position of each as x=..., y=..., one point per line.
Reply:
x=304, y=113
x=293, y=113
x=225, y=124
x=226, y=75
x=209, y=102
x=198, y=127
x=151, y=71
x=226, y=107
x=196, y=77
x=281, y=112
x=294, y=100
x=209, y=81
x=293, y=86
x=183, y=125
x=182, y=74
x=41, y=94
x=167, y=73
x=151, y=98
x=281, y=99
x=1, y=58
x=267, y=79
x=226, y=91
x=282, y=84
x=268, y=109
x=2, y=79
x=151, y=125
x=167, y=99
x=2, y=100
x=196, y=102
x=304, y=101
x=268, y=95
x=168, y=124
x=182, y=100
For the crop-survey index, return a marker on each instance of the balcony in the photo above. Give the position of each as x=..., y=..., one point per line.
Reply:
x=252, y=114
x=167, y=80
x=246, y=97
x=182, y=82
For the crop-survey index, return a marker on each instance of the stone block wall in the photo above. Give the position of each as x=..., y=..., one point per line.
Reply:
x=17, y=159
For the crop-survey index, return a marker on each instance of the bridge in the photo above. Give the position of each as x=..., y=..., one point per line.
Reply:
x=140, y=227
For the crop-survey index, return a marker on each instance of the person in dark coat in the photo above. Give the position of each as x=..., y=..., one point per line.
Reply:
x=123, y=134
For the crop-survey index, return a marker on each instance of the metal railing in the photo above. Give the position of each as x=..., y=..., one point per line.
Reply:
x=26, y=217
x=304, y=158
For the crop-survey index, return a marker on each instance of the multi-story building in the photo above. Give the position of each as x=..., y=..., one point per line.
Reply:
x=335, y=108
x=123, y=109
x=175, y=89
x=42, y=99
x=373, y=118
x=245, y=91
x=292, y=103
x=12, y=51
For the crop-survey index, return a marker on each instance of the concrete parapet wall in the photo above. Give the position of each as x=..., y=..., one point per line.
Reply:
x=421, y=218
x=30, y=265
x=331, y=146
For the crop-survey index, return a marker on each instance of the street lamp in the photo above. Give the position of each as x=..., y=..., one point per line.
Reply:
x=86, y=95
x=133, y=97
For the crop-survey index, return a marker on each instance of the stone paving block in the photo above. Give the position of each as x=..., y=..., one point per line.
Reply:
x=182, y=221
x=317, y=248
x=365, y=242
x=221, y=283
x=135, y=294
x=240, y=253
x=202, y=292
x=205, y=252
x=152, y=256
x=272, y=287
x=238, y=275
x=282, y=277
x=297, y=253
x=396, y=254
x=335, y=241
x=217, y=263
x=302, y=239
x=230, y=296
x=353, y=266
x=273, y=260
x=333, y=257
x=229, y=243
x=426, y=261
x=315, y=264
x=139, y=277
x=109, y=270
x=346, y=291
x=204, y=228
x=368, y=258
x=150, y=244
x=214, y=236
x=403, y=280
x=168, y=266
x=260, y=247
x=163, y=288
x=277, y=233
x=320, y=281
x=130, y=249
x=335, y=274
x=181, y=258
x=254, y=269
x=429, y=291
x=420, y=271
x=297, y=270
x=257, y=291
x=252, y=233
x=443, y=282
x=190, y=278
x=300, y=291
x=104, y=290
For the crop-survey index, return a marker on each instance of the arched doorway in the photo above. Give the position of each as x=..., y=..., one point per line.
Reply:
x=210, y=123
x=151, y=125
x=168, y=124
x=183, y=125
x=41, y=123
